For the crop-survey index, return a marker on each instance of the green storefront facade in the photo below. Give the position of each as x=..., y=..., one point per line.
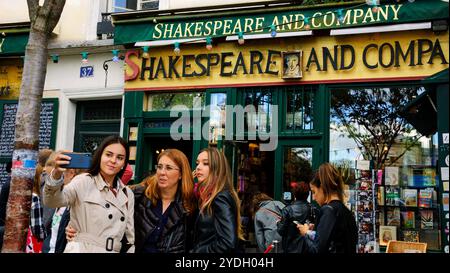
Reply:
x=289, y=134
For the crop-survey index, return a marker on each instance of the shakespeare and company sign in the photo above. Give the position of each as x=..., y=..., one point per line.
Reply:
x=325, y=59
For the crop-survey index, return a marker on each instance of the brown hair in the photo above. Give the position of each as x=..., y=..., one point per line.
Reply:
x=330, y=180
x=187, y=181
x=43, y=156
x=219, y=179
x=114, y=139
x=257, y=199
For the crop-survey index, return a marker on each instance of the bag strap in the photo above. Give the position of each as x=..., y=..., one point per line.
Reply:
x=272, y=212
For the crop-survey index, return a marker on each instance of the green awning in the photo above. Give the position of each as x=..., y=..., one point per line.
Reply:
x=150, y=26
x=437, y=78
x=13, y=44
x=422, y=112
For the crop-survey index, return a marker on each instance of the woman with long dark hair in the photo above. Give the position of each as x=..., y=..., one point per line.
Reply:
x=101, y=206
x=335, y=230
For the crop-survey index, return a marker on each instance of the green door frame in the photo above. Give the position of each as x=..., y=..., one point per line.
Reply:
x=317, y=158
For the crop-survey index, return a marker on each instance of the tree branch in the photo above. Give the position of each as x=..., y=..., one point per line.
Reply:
x=33, y=6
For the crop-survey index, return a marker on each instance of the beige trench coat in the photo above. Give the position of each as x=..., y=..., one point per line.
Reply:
x=100, y=218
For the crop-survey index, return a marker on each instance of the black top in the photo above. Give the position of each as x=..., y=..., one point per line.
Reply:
x=176, y=236
x=4, y=194
x=300, y=211
x=336, y=230
x=217, y=233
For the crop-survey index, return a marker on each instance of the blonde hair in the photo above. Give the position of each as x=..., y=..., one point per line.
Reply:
x=219, y=178
x=186, y=184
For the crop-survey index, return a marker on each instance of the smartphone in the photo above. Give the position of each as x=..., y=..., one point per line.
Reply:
x=296, y=222
x=78, y=161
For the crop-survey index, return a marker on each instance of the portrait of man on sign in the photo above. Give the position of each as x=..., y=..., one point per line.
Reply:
x=292, y=63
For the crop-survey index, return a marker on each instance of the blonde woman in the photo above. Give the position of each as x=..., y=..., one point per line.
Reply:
x=218, y=227
x=165, y=206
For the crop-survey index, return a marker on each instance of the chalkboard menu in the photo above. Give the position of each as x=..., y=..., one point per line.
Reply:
x=4, y=176
x=7, y=128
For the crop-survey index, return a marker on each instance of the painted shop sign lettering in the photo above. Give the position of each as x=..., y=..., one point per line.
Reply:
x=219, y=25
x=338, y=58
x=288, y=22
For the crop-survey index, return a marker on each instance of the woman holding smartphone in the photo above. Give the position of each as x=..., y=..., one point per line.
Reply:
x=218, y=226
x=102, y=207
x=335, y=230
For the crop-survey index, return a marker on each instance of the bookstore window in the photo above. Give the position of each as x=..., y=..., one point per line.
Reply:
x=300, y=108
x=366, y=124
x=165, y=101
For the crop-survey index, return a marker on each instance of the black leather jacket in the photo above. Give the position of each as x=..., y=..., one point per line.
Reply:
x=217, y=233
x=299, y=211
x=177, y=234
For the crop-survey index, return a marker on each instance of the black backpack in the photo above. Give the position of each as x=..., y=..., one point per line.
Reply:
x=346, y=226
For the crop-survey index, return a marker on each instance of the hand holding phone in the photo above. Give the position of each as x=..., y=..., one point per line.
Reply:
x=78, y=161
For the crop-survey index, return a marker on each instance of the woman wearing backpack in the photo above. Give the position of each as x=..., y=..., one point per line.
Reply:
x=335, y=230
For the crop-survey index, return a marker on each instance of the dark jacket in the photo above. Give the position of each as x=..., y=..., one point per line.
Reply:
x=336, y=230
x=177, y=234
x=299, y=211
x=61, y=240
x=217, y=233
x=4, y=194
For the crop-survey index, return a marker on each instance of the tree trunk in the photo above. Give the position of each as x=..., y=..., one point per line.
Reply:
x=43, y=21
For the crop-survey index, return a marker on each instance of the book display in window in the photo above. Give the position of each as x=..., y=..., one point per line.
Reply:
x=426, y=219
x=387, y=233
x=410, y=197
x=407, y=203
x=391, y=176
x=410, y=236
x=408, y=220
x=365, y=213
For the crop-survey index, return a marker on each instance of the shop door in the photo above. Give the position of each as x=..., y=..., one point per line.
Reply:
x=154, y=145
x=295, y=162
x=96, y=120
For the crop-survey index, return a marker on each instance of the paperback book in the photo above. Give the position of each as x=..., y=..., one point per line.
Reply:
x=387, y=233
x=408, y=219
x=391, y=176
x=393, y=217
x=410, y=197
x=426, y=219
x=410, y=236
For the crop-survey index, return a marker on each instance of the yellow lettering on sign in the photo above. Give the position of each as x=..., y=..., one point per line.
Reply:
x=178, y=31
x=158, y=30
x=217, y=26
x=198, y=29
x=357, y=14
x=227, y=27
x=168, y=30
x=276, y=22
x=259, y=24
x=368, y=14
x=313, y=21
x=395, y=10
x=328, y=19
x=347, y=18
x=299, y=18
x=383, y=12
x=237, y=27
x=187, y=29
x=208, y=29
x=248, y=24
x=287, y=22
